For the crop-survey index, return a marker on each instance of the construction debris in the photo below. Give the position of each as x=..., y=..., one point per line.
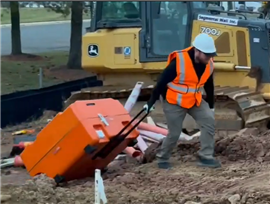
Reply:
x=243, y=179
x=23, y=132
x=149, y=134
x=242, y=174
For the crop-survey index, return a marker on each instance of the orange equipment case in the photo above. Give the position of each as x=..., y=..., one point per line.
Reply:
x=88, y=135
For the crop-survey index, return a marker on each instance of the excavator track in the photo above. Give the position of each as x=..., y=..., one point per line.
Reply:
x=115, y=92
x=241, y=104
x=235, y=108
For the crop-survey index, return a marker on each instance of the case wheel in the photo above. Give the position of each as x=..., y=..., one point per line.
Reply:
x=59, y=179
x=89, y=149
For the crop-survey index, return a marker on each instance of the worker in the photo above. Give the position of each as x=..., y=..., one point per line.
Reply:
x=181, y=84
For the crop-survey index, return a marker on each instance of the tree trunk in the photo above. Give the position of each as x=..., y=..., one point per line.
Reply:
x=75, y=51
x=16, y=46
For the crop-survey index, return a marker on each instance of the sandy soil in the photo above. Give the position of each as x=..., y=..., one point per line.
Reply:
x=243, y=179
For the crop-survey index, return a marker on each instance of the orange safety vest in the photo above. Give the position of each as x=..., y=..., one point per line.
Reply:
x=186, y=90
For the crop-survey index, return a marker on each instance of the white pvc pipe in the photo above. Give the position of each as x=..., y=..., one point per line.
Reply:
x=131, y=101
x=150, y=121
x=148, y=139
x=197, y=134
x=159, y=137
x=142, y=144
x=133, y=97
x=152, y=135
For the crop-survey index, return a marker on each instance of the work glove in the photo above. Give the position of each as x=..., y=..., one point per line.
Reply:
x=148, y=109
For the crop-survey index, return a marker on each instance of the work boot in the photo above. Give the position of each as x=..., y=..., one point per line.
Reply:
x=164, y=165
x=211, y=163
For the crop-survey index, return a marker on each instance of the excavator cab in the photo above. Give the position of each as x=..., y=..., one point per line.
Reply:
x=168, y=27
x=163, y=26
x=130, y=42
x=136, y=37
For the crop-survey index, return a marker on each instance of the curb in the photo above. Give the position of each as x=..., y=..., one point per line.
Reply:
x=42, y=23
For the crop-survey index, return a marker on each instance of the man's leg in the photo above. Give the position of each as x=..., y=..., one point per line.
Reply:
x=205, y=118
x=175, y=116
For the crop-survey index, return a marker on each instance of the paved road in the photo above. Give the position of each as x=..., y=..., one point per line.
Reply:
x=40, y=38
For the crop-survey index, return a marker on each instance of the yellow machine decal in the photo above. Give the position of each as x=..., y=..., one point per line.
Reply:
x=217, y=19
x=232, y=42
x=210, y=31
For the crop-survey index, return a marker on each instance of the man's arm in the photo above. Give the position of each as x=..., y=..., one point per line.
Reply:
x=209, y=89
x=167, y=76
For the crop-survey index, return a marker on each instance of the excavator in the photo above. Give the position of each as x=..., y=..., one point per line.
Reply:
x=130, y=41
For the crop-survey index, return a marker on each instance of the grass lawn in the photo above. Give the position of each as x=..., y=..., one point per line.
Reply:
x=20, y=73
x=29, y=15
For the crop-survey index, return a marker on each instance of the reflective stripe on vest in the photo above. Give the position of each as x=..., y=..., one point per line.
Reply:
x=182, y=67
x=181, y=87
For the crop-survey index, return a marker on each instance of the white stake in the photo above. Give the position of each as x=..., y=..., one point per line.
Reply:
x=99, y=188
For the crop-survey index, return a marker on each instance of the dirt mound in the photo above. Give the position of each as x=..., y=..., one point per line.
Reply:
x=146, y=184
x=248, y=144
x=243, y=179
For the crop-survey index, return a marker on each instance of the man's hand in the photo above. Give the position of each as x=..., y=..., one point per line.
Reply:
x=148, y=109
x=213, y=109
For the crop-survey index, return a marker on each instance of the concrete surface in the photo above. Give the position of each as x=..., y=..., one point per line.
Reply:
x=40, y=37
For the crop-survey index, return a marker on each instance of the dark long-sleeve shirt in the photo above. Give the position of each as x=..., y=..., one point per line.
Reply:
x=170, y=73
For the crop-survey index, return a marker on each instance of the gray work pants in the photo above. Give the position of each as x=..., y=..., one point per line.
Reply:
x=175, y=116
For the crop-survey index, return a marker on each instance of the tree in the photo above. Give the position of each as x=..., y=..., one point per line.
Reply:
x=75, y=52
x=16, y=46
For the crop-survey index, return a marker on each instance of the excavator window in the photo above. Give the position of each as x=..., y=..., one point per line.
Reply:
x=115, y=10
x=171, y=25
x=199, y=4
x=117, y=14
x=169, y=21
